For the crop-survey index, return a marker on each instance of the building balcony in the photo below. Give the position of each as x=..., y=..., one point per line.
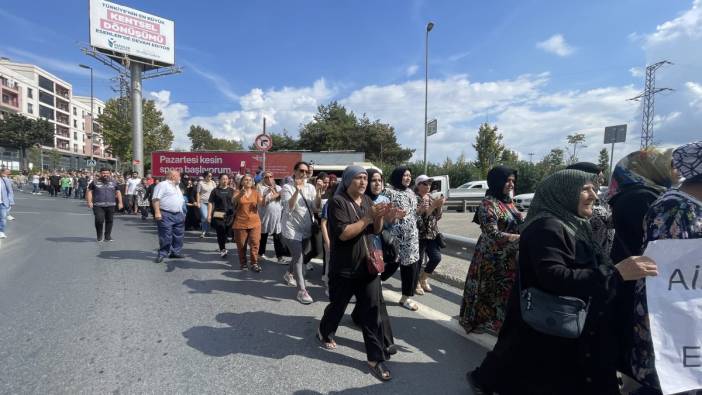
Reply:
x=11, y=85
x=63, y=92
x=10, y=100
x=64, y=119
x=62, y=105
x=62, y=146
x=62, y=131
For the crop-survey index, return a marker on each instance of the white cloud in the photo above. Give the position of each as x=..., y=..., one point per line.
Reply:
x=556, y=44
x=695, y=91
x=286, y=108
x=411, y=70
x=688, y=24
x=220, y=83
x=637, y=72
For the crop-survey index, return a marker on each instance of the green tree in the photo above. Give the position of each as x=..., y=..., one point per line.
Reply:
x=489, y=147
x=554, y=160
x=54, y=159
x=509, y=157
x=603, y=162
x=202, y=140
x=574, y=140
x=335, y=128
x=21, y=132
x=117, y=129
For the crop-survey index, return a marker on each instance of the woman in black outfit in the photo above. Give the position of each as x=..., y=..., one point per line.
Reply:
x=352, y=216
x=558, y=255
x=220, y=212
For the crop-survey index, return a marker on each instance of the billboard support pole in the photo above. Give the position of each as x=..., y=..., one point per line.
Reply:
x=137, y=119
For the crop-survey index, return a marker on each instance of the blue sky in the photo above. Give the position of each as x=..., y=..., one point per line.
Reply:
x=539, y=69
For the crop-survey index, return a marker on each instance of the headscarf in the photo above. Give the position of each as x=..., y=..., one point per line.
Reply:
x=687, y=159
x=496, y=179
x=349, y=174
x=371, y=173
x=396, y=178
x=648, y=169
x=558, y=196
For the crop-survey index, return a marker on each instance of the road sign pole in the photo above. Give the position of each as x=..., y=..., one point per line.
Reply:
x=611, y=160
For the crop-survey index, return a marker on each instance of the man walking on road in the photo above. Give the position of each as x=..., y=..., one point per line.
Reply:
x=7, y=199
x=132, y=183
x=54, y=184
x=101, y=196
x=170, y=216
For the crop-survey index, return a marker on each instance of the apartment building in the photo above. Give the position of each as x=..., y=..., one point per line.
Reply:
x=35, y=93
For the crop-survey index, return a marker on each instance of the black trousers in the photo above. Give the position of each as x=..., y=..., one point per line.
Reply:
x=103, y=218
x=277, y=244
x=367, y=292
x=221, y=228
x=409, y=274
x=388, y=339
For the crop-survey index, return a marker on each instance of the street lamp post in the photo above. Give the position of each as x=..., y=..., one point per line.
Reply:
x=430, y=26
x=92, y=100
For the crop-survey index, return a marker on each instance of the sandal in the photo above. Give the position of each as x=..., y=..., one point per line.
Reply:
x=328, y=344
x=255, y=267
x=380, y=371
x=409, y=304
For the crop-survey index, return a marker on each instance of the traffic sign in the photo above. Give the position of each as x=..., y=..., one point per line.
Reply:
x=431, y=127
x=615, y=134
x=90, y=162
x=263, y=142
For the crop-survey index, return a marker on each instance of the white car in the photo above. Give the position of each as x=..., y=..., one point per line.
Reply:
x=523, y=201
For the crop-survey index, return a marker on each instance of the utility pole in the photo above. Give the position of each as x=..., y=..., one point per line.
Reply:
x=430, y=26
x=531, y=157
x=648, y=105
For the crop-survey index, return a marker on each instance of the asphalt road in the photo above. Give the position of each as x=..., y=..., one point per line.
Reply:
x=82, y=317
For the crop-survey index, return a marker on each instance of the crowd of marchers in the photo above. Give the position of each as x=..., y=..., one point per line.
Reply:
x=562, y=287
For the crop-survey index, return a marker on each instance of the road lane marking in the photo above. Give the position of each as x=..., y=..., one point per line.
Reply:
x=484, y=340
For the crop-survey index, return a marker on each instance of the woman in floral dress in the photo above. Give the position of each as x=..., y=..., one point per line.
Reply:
x=406, y=234
x=677, y=214
x=492, y=270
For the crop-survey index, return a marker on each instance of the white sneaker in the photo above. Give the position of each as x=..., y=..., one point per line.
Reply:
x=282, y=261
x=3, y=235
x=304, y=297
x=289, y=279
x=223, y=253
x=202, y=235
x=10, y=218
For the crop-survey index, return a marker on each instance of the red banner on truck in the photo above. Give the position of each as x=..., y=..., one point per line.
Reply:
x=195, y=163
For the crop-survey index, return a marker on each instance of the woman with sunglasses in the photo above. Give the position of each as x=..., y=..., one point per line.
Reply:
x=299, y=199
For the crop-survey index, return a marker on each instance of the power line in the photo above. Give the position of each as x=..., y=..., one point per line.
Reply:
x=648, y=106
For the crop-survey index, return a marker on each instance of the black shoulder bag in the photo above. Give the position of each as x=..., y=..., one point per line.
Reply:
x=309, y=245
x=561, y=316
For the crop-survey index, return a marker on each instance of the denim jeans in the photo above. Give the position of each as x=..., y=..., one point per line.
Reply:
x=3, y=217
x=431, y=249
x=203, y=217
x=35, y=188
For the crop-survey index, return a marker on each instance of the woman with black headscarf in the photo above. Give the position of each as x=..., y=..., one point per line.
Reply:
x=405, y=233
x=492, y=270
x=352, y=219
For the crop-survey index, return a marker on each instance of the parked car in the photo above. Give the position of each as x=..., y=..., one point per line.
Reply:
x=523, y=201
x=470, y=193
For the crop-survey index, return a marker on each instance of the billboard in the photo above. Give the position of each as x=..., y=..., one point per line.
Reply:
x=195, y=163
x=119, y=30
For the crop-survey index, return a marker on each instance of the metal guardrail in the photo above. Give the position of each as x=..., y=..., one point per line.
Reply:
x=459, y=246
x=462, y=204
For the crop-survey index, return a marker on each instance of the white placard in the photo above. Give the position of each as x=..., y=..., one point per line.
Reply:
x=675, y=312
x=125, y=30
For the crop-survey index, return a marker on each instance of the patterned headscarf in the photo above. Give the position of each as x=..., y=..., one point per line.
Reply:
x=687, y=159
x=646, y=168
x=558, y=196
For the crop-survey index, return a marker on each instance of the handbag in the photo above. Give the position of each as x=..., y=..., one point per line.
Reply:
x=441, y=240
x=374, y=256
x=309, y=244
x=561, y=316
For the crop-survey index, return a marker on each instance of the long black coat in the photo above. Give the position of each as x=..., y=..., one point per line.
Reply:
x=525, y=361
